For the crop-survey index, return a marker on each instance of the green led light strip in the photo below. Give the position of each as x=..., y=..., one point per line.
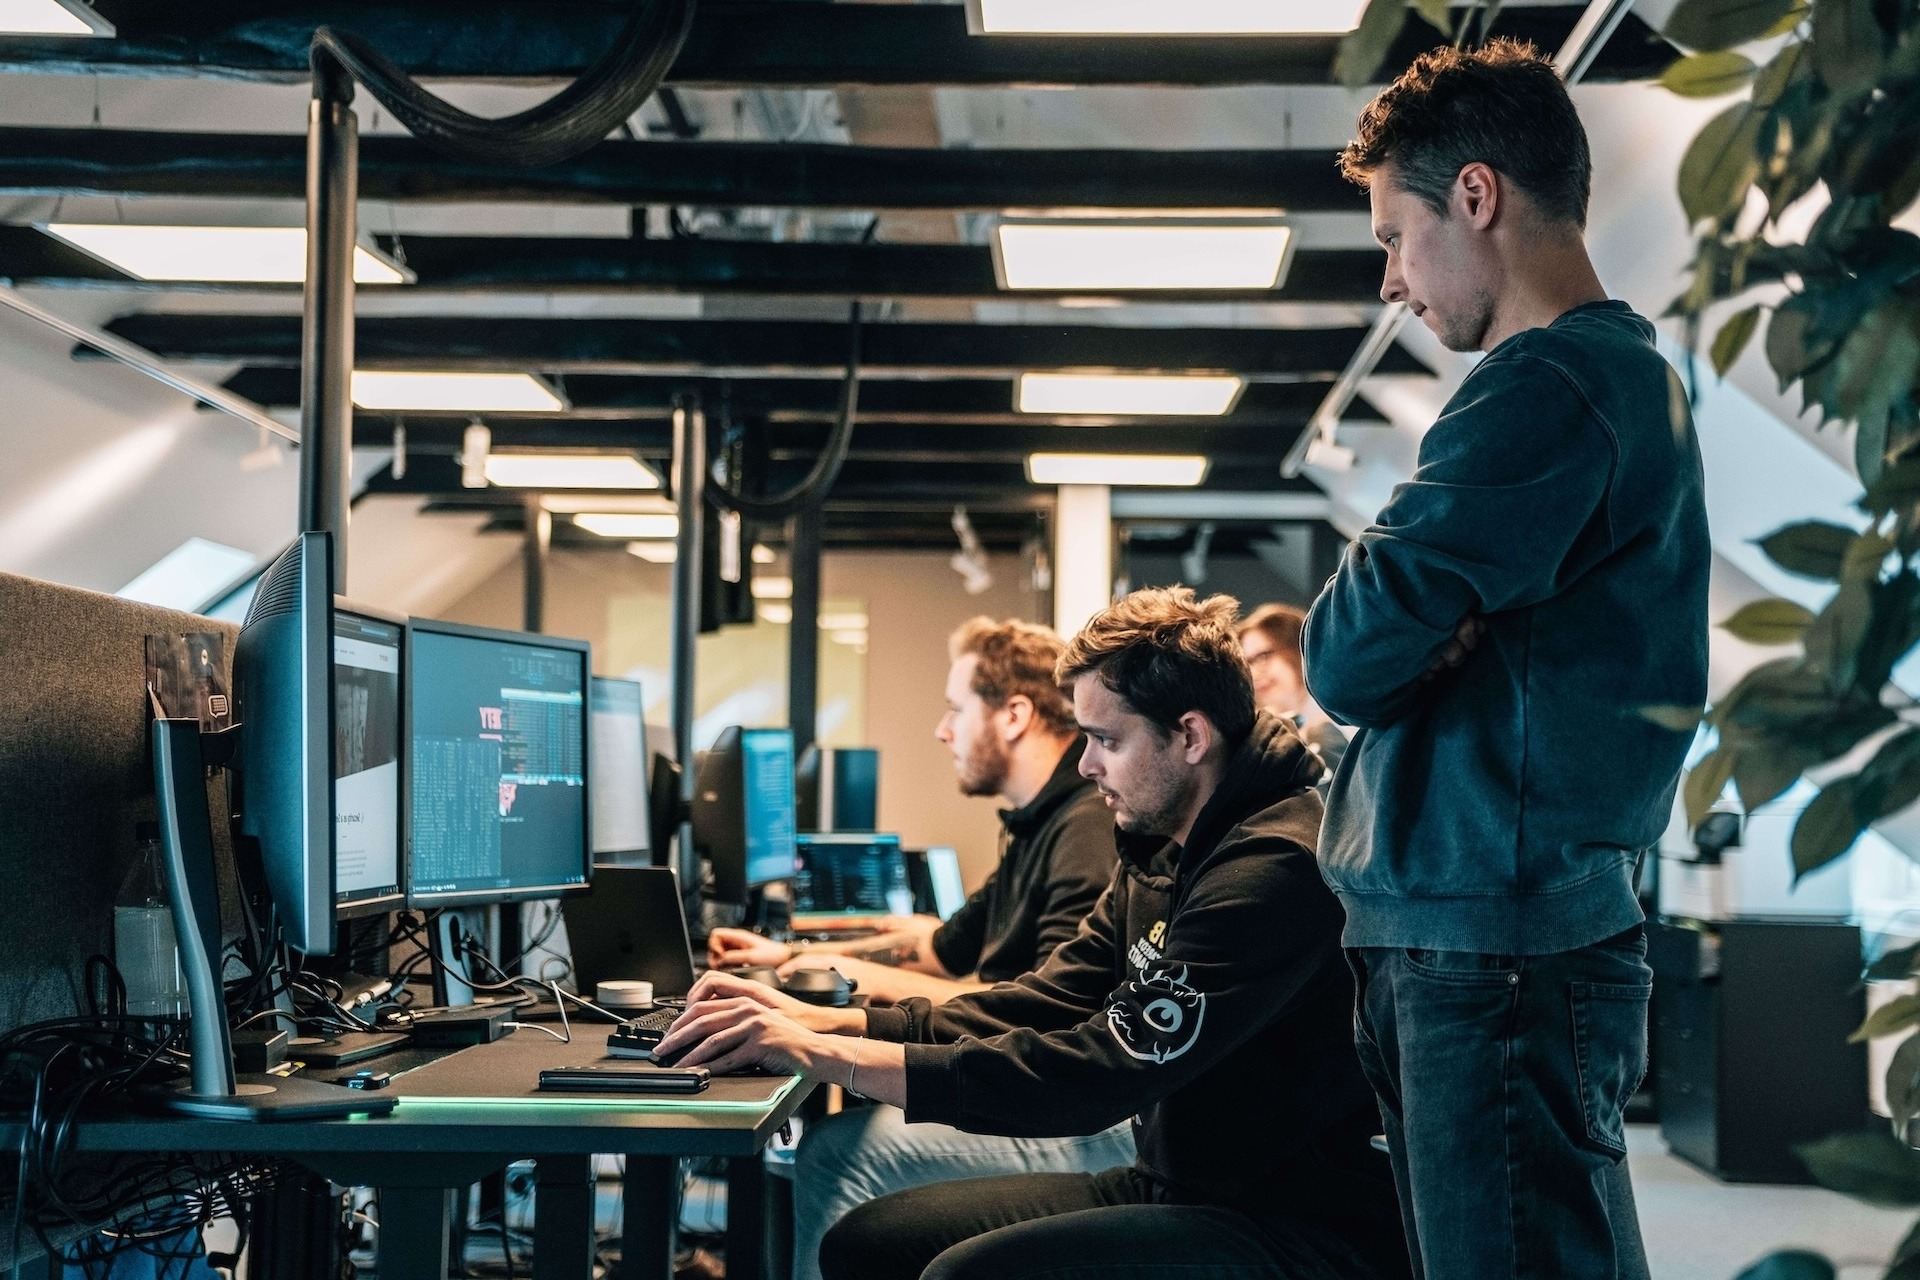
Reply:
x=625, y=1102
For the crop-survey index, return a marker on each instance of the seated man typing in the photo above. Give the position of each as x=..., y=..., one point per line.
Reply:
x=1206, y=996
x=1011, y=734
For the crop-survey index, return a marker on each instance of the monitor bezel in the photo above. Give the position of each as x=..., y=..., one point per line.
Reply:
x=530, y=639
x=384, y=901
x=746, y=859
x=613, y=856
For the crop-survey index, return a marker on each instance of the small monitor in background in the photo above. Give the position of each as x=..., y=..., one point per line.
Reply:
x=366, y=759
x=851, y=874
x=943, y=871
x=743, y=809
x=838, y=788
x=617, y=753
x=497, y=765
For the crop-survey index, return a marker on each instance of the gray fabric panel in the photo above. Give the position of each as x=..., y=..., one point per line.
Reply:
x=75, y=777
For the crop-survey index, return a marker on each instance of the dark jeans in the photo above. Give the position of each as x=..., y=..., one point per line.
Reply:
x=1502, y=1080
x=1051, y=1224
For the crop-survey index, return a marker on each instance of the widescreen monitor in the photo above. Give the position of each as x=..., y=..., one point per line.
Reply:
x=617, y=751
x=497, y=776
x=851, y=873
x=366, y=758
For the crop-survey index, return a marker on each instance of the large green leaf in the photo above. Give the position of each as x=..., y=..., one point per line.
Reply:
x=1771, y=621
x=1733, y=338
x=1847, y=44
x=1792, y=344
x=1437, y=15
x=1790, y=1264
x=1706, y=782
x=1363, y=49
x=1773, y=79
x=1901, y=962
x=1811, y=548
x=1903, y=1083
x=1874, y=371
x=1709, y=75
x=1897, y=488
x=1873, y=1166
x=1896, y=1015
x=1826, y=829
x=1721, y=24
x=1891, y=780
x=1720, y=163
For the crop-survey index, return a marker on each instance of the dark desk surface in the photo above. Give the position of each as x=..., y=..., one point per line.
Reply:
x=484, y=1099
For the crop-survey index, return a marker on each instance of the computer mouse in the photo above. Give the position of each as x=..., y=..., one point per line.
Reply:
x=821, y=986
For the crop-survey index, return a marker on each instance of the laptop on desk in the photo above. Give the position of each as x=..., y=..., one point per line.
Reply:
x=630, y=926
x=843, y=880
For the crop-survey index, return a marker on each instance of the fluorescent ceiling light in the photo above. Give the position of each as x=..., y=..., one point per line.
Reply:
x=628, y=524
x=567, y=504
x=762, y=553
x=779, y=615
x=654, y=552
x=454, y=392
x=843, y=622
x=1181, y=395
x=232, y=255
x=1163, y=17
x=1131, y=253
x=51, y=18
x=569, y=471
x=191, y=576
x=773, y=588
x=1157, y=469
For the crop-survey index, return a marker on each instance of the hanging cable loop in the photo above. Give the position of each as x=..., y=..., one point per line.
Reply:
x=575, y=118
x=826, y=468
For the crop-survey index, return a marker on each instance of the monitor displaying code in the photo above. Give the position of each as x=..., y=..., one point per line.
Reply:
x=852, y=875
x=767, y=780
x=498, y=767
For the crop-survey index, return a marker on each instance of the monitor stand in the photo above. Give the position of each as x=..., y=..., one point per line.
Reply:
x=213, y=1091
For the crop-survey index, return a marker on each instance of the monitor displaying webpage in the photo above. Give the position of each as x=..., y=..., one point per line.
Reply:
x=366, y=757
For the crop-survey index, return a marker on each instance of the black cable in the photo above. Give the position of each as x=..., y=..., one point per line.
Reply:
x=569, y=122
x=826, y=468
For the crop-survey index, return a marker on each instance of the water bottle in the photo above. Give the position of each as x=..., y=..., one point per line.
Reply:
x=145, y=949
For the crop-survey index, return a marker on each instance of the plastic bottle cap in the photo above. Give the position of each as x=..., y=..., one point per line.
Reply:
x=623, y=994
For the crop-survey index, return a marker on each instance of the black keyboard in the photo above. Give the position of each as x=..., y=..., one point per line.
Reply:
x=636, y=1037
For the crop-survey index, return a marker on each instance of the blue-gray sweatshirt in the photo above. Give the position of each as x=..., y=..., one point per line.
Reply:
x=1500, y=806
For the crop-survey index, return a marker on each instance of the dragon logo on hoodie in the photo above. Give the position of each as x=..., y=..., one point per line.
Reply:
x=1156, y=1016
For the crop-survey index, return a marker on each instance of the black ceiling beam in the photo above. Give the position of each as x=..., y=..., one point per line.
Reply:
x=617, y=400
x=732, y=347
x=762, y=43
x=36, y=161
x=537, y=264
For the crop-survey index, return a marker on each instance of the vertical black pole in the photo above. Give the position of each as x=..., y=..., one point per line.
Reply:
x=326, y=340
x=689, y=492
x=803, y=634
x=533, y=556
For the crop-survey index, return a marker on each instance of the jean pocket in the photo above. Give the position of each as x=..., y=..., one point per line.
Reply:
x=1462, y=966
x=1610, y=1054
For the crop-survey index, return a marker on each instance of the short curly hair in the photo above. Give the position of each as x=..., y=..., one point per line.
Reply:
x=1015, y=657
x=1502, y=105
x=1166, y=653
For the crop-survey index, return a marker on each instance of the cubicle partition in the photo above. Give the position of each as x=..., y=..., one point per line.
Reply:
x=75, y=780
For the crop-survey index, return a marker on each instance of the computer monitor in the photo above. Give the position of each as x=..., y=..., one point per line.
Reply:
x=497, y=775
x=617, y=750
x=839, y=788
x=943, y=872
x=366, y=759
x=283, y=791
x=851, y=873
x=743, y=818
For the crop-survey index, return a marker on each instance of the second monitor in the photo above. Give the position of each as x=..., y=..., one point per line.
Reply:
x=497, y=765
x=743, y=819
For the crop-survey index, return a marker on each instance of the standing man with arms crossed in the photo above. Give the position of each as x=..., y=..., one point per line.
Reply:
x=1496, y=635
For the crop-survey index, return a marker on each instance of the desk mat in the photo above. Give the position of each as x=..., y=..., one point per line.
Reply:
x=508, y=1071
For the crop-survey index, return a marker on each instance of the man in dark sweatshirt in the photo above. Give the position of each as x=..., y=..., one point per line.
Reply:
x=1205, y=996
x=1497, y=636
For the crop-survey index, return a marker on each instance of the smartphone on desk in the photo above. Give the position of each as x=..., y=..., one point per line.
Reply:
x=620, y=1077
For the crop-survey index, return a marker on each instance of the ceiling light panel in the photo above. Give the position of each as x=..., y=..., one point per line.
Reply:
x=1142, y=394
x=454, y=392
x=628, y=524
x=569, y=471
x=654, y=552
x=212, y=255
x=1163, y=471
x=1121, y=254
x=51, y=18
x=1163, y=17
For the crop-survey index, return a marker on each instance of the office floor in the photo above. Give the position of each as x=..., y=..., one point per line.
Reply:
x=1697, y=1228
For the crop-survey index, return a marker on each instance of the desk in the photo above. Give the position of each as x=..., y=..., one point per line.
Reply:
x=438, y=1141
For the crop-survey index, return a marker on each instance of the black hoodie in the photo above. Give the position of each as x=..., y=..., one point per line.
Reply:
x=1207, y=997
